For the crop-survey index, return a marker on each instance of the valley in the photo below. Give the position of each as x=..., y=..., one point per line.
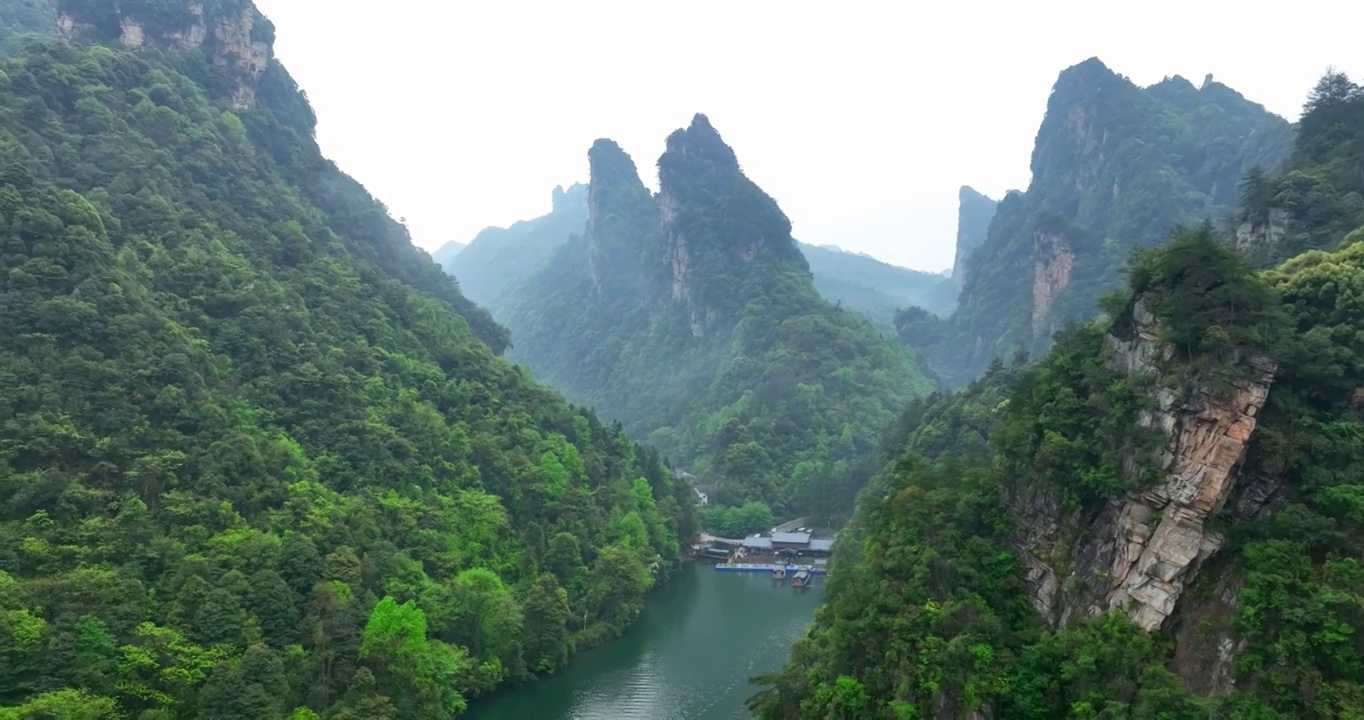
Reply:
x=650, y=454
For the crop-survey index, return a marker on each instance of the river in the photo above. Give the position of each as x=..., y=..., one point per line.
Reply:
x=698, y=641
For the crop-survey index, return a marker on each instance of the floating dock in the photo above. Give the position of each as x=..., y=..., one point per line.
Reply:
x=767, y=568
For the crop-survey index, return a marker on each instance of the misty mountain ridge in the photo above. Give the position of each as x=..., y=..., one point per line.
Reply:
x=691, y=316
x=1115, y=167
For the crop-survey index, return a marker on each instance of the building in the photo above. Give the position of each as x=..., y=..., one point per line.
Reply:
x=758, y=544
x=715, y=552
x=791, y=541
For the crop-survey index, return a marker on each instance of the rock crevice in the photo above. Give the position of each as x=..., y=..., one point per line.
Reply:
x=1137, y=554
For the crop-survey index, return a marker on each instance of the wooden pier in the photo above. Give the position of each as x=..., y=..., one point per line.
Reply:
x=768, y=568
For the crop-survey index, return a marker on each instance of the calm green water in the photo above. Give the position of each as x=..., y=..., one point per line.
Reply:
x=688, y=658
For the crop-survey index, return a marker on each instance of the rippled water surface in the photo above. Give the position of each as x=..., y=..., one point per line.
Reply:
x=689, y=658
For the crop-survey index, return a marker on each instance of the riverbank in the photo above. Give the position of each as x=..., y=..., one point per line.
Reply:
x=688, y=657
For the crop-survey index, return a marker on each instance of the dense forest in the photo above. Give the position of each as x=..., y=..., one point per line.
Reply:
x=874, y=289
x=501, y=261
x=25, y=21
x=1115, y=167
x=259, y=457
x=980, y=576
x=692, y=318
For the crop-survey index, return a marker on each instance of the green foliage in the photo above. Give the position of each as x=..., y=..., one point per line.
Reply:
x=499, y=261
x=1317, y=197
x=873, y=289
x=1207, y=302
x=737, y=522
x=1303, y=590
x=23, y=22
x=257, y=456
x=1071, y=423
x=926, y=610
x=974, y=214
x=1115, y=168
x=691, y=318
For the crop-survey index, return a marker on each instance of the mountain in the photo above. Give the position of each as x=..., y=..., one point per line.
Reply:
x=691, y=317
x=259, y=457
x=1157, y=519
x=874, y=289
x=974, y=213
x=25, y=21
x=502, y=260
x=1115, y=167
x=446, y=254
x=498, y=261
x=1317, y=197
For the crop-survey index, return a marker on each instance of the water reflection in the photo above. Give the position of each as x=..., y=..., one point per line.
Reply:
x=689, y=658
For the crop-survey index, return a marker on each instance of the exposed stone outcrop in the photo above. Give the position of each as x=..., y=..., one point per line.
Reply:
x=1137, y=554
x=1267, y=233
x=245, y=58
x=674, y=246
x=231, y=38
x=1050, y=275
x=131, y=33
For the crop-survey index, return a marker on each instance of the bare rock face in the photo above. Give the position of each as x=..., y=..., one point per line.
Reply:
x=231, y=38
x=675, y=246
x=246, y=59
x=1051, y=274
x=1138, y=554
x=1162, y=538
x=1267, y=233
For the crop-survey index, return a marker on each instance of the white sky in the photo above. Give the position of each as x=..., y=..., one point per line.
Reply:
x=861, y=118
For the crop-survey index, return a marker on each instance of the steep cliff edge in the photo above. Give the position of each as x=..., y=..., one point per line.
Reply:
x=222, y=352
x=1138, y=553
x=1115, y=167
x=974, y=213
x=1067, y=562
x=691, y=316
x=233, y=34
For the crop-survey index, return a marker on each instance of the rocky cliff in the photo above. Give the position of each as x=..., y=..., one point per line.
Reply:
x=691, y=316
x=1115, y=166
x=1053, y=260
x=1137, y=554
x=974, y=213
x=232, y=34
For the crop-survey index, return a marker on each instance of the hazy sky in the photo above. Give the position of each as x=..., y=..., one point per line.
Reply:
x=862, y=119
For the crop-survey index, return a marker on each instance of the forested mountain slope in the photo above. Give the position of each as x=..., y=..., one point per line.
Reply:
x=257, y=456
x=874, y=289
x=691, y=317
x=498, y=261
x=1161, y=518
x=25, y=21
x=1317, y=197
x=974, y=214
x=1115, y=167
